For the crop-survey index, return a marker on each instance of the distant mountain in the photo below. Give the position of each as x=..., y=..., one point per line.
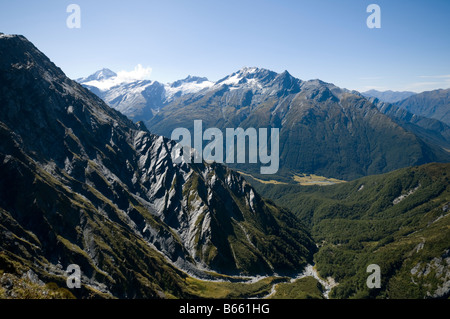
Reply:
x=82, y=184
x=141, y=99
x=324, y=129
x=388, y=96
x=100, y=75
x=430, y=130
x=432, y=104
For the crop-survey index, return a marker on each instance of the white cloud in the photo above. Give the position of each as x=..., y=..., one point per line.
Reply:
x=139, y=73
x=426, y=86
x=371, y=87
x=430, y=82
x=445, y=76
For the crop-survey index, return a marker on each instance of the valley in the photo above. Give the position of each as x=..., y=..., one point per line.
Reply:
x=301, y=179
x=399, y=221
x=95, y=185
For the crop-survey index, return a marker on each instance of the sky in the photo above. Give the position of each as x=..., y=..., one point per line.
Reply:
x=315, y=39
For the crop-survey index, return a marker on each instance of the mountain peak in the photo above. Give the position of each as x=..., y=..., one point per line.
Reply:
x=189, y=79
x=20, y=56
x=100, y=75
x=249, y=70
x=286, y=76
x=285, y=73
x=10, y=36
x=248, y=75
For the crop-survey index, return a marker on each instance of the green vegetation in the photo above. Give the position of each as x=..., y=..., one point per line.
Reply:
x=398, y=220
x=303, y=288
x=233, y=290
x=14, y=287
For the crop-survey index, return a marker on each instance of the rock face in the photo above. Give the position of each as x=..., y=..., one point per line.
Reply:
x=439, y=268
x=80, y=183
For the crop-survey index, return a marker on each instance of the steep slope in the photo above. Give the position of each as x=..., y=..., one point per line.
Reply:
x=324, y=130
x=399, y=221
x=82, y=184
x=432, y=104
x=137, y=100
x=428, y=129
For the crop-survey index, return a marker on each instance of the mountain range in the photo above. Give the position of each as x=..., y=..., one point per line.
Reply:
x=82, y=184
x=324, y=130
x=388, y=96
x=432, y=104
x=431, y=130
x=140, y=99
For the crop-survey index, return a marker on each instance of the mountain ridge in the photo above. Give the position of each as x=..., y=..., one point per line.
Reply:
x=140, y=99
x=324, y=129
x=428, y=129
x=433, y=104
x=100, y=75
x=388, y=96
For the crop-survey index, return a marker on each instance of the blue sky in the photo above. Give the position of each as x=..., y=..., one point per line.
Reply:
x=325, y=39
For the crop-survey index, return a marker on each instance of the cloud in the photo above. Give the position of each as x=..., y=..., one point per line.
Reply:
x=371, y=87
x=418, y=83
x=430, y=82
x=427, y=86
x=445, y=76
x=138, y=74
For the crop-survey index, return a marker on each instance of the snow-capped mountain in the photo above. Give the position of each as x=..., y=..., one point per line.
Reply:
x=247, y=76
x=100, y=75
x=140, y=99
x=324, y=129
x=316, y=119
x=191, y=84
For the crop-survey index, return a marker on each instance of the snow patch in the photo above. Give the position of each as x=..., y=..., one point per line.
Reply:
x=186, y=88
x=139, y=73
